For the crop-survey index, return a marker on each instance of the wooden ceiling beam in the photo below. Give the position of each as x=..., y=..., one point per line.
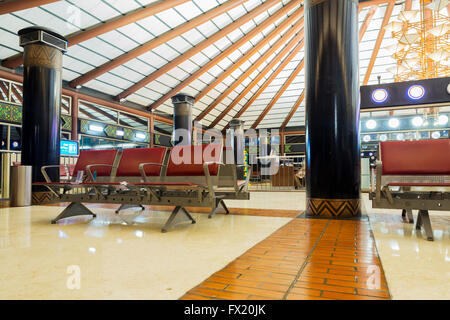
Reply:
x=17, y=5
x=366, y=22
x=105, y=27
x=199, y=47
x=280, y=92
x=293, y=110
x=366, y=4
x=282, y=40
x=156, y=42
x=252, y=33
x=378, y=42
x=262, y=74
x=247, y=55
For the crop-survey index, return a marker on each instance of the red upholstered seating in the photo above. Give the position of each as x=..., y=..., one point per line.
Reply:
x=425, y=157
x=89, y=157
x=189, y=160
x=132, y=158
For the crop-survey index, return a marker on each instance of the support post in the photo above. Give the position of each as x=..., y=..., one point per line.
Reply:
x=42, y=86
x=182, y=119
x=332, y=109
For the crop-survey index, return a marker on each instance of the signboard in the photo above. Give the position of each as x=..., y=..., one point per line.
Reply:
x=69, y=148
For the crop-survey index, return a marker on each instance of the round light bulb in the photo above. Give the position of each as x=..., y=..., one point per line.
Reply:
x=393, y=123
x=443, y=119
x=416, y=92
x=417, y=121
x=366, y=138
x=371, y=124
x=383, y=137
x=379, y=95
x=436, y=135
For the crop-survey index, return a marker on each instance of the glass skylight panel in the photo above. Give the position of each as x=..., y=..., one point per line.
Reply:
x=206, y=5
x=171, y=18
x=154, y=59
x=139, y=66
x=137, y=33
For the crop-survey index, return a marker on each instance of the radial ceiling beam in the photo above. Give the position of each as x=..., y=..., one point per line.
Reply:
x=249, y=54
x=199, y=47
x=378, y=42
x=280, y=92
x=17, y=5
x=366, y=22
x=255, y=31
x=370, y=3
x=105, y=27
x=282, y=40
x=262, y=74
x=156, y=42
x=293, y=110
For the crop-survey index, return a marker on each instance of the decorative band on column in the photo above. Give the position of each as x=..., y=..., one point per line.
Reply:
x=39, y=55
x=41, y=197
x=334, y=208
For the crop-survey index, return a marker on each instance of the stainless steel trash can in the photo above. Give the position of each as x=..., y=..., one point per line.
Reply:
x=20, y=186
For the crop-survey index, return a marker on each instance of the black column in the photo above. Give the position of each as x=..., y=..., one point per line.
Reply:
x=42, y=85
x=182, y=118
x=332, y=108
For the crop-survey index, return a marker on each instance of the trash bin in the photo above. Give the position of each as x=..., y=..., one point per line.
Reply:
x=20, y=186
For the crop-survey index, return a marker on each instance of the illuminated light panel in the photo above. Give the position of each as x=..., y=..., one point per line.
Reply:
x=120, y=133
x=379, y=95
x=93, y=127
x=366, y=138
x=383, y=137
x=140, y=136
x=416, y=92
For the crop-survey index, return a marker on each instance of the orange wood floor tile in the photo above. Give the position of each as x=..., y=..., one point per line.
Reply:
x=307, y=259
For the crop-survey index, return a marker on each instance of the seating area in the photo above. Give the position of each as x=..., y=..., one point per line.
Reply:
x=409, y=165
x=181, y=176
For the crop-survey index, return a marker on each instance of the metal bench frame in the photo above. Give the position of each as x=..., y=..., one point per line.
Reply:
x=132, y=194
x=406, y=200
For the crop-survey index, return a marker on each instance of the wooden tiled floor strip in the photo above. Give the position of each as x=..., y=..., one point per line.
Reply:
x=305, y=259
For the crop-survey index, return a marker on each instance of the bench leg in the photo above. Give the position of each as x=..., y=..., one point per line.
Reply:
x=128, y=206
x=72, y=210
x=219, y=203
x=174, y=214
x=407, y=215
x=423, y=219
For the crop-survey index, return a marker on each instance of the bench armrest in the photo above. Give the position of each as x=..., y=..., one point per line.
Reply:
x=88, y=169
x=208, y=175
x=44, y=171
x=143, y=165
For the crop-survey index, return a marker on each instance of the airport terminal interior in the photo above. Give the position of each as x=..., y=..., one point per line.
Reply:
x=224, y=150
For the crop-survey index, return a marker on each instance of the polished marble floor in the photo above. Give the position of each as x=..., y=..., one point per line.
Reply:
x=265, y=251
x=115, y=260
